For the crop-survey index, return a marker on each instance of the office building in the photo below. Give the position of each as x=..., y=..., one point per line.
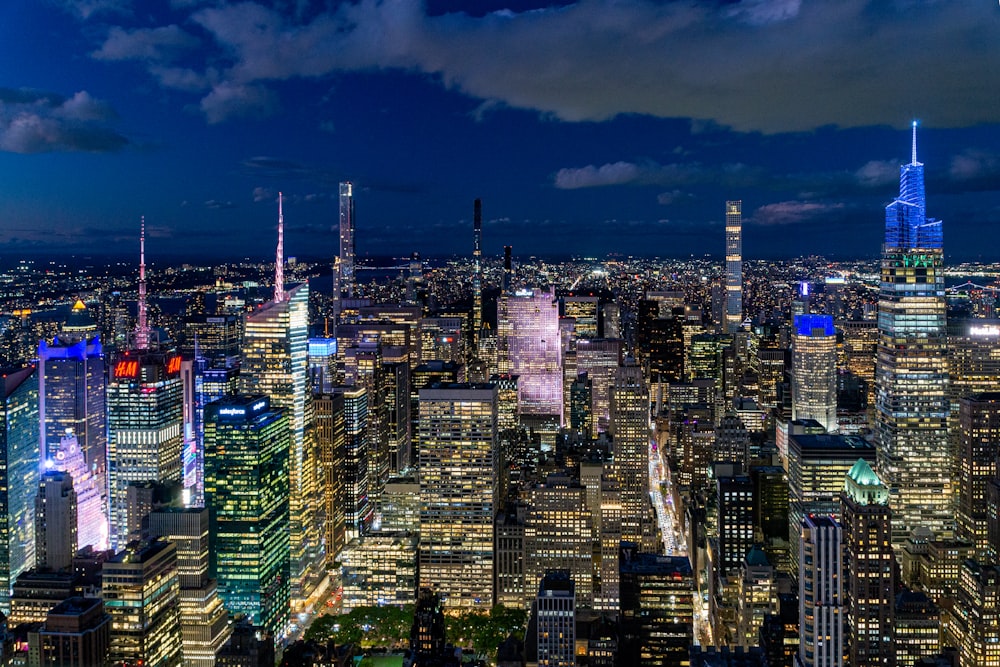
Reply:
x=322, y=364
x=275, y=364
x=554, y=610
x=978, y=451
x=736, y=527
x=55, y=522
x=19, y=477
x=247, y=474
x=331, y=437
x=214, y=339
x=770, y=514
x=599, y=358
x=76, y=633
x=869, y=568
x=911, y=383
x=917, y=632
x=529, y=347
x=657, y=608
x=204, y=620
x=734, y=266
x=359, y=511
x=629, y=426
x=459, y=491
x=145, y=414
x=379, y=569
x=974, y=629
x=142, y=596
x=344, y=272
x=758, y=597
x=821, y=594
x=558, y=535
x=814, y=370
x=91, y=520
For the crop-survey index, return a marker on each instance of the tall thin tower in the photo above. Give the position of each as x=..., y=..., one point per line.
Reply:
x=911, y=378
x=279, y=260
x=734, y=265
x=477, y=276
x=346, y=240
x=142, y=329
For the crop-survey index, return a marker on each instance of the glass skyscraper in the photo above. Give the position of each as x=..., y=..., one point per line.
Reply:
x=345, y=275
x=529, y=347
x=814, y=370
x=247, y=448
x=911, y=393
x=734, y=265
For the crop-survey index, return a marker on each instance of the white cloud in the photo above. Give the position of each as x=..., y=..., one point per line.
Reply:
x=591, y=176
x=40, y=122
x=228, y=100
x=157, y=44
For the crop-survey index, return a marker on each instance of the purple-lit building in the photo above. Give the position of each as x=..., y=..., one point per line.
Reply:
x=529, y=346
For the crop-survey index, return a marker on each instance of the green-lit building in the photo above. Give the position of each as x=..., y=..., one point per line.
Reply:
x=246, y=490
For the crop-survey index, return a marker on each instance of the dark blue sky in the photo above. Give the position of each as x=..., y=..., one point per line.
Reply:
x=590, y=127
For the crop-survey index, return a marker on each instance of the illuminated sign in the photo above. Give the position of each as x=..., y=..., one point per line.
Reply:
x=173, y=365
x=127, y=369
x=524, y=292
x=258, y=406
x=985, y=330
x=232, y=412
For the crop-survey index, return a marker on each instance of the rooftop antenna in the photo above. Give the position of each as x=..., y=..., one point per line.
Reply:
x=142, y=330
x=914, y=159
x=279, y=261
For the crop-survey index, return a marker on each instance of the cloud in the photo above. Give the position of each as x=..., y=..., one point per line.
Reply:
x=652, y=173
x=87, y=8
x=263, y=194
x=793, y=212
x=666, y=198
x=228, y=100
x=216, y=204
x=39, y=122
x=974, y=164
x=877, y=173
x=755, y=65
x=591, y=176
x=156, y=44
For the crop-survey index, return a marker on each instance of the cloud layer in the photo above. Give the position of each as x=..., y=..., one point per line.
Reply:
x=34, y=121
x=766, y=65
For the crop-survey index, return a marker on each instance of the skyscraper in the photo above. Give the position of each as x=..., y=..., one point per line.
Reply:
x=459, y=490
x=734, y=266
x=529, y=346
x=555, y=620
x=477, y=272
x=978, y=450
x=870, y=583
x=145, y=414
x=821, y=594
x=345, y=276
x=247, y=493
x=814, y=370
x=630, y=431
x=55, y=522
x=92, y=520
x=911, y=396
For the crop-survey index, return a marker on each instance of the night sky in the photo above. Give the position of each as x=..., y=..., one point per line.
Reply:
x=592, y=127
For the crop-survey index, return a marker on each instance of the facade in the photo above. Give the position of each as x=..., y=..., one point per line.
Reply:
x=345, y=263
x=911, y=383
x=358, y=508
x=814, y=370
x=585, y=311
x=55, y=522
x=734, y=266
x=529, y=346
x=246, y=491
x=145, y=415
x=459, y=491
x=275, y=364
x=821, y=594
x=91, y=520
x=141, y=594
x=558, y=535
x=379, y=569
x=974, y=629
x=599, y=358
x=629, y=407
x=77, y=633
x=657, y=608
x=869, y=568
x=332, y=440
x=978, y=450
x=736, y=525
x=555, y=619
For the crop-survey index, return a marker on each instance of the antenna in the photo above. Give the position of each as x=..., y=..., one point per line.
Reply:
x=142, y=330
x=914, y=159
x=279, y=261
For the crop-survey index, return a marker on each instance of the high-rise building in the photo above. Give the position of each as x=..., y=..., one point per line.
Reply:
x=917, y=632
x=555, y=620
x=869, y=581
x=331, y=437
x=911, y=394
x=142, y=596
x=736, y=533
x=558, y=535
x=345, y=276
x=379, y=569
x=974, y=629
x=247, y=494
x=55, y=522
x=92, y=522
x=978, y=450
x=204, y=621
x=529, y=346
x=19, y=475
x=814, y=370
x=71, y=390
x=629, y=407
x=585, y=311
x=145, y=414
x=275, y=364
x=821, y=594
x=657, y=608
x=599, y=358
x=734, y=266
x=77, y=633
x=358, y=508
x=459, y=491
x=477, y=272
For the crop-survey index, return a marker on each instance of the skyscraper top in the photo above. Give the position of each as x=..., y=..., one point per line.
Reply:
x=279, y=260
x=907, y=226
x=914, y=158
x=142, y=329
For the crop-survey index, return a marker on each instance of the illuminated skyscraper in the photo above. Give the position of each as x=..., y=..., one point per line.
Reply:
x=734, y=266
x=978, y=450
x=911, y=396
x=814, y=370
x=55, y=522
x=71, y=390
x=19, y=475
x=529, y=346
x=630, y=432
x=276, y=364
x=821, y=594
x=145, y=414
x=459, y=490
x=92, y=521
x=345, y=277
x=477, y=272
x=247, y=493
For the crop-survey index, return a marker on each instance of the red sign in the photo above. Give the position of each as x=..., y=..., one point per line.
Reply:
x=127, y=369
x=173, y=365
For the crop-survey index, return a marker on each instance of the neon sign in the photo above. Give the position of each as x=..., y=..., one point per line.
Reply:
x=173, y=365
x=127, y=369
x=985, y=330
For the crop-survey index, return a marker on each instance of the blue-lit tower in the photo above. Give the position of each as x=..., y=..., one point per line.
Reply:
x=911, y=380
x=814, y=370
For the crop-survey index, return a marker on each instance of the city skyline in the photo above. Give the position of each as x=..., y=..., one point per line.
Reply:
x=586, y=128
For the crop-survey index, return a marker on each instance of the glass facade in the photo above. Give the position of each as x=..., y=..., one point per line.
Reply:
x=814, y=370
x=529, y=347
x=734, y=265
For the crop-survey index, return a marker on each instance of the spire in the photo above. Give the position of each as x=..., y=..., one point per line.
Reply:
x=279, y=260
x=914, y=158
x=142, y=330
